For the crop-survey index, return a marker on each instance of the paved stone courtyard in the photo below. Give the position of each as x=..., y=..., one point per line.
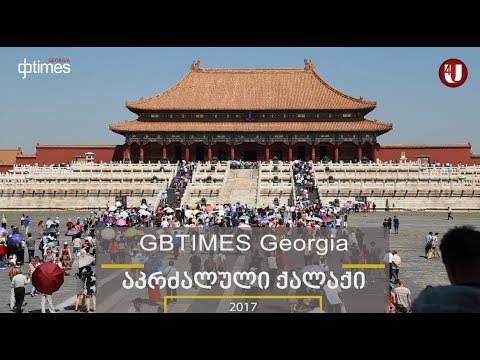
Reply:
x=416, y=270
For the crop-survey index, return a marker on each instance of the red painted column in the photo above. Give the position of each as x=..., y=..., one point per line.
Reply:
x=267, y=152
x=209, y=152
x=313, y=153
x=164, y=151
x=290, y=153
x=125, y=151
x=232, y=152
x=187, y=153
x=335, y=153
x=359, y=152
x=142, y=151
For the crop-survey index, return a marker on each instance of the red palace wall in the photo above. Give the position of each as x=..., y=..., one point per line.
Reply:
x=23, y=160
x=5, y=167
x=51, y=154
x=452, y=154
x=58, y=154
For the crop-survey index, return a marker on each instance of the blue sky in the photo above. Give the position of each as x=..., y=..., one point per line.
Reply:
x=76, y=108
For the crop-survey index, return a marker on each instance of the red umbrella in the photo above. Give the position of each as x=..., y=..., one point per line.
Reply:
x=47, y=278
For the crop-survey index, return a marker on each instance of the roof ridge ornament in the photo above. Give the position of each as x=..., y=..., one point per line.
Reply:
x=309, y=64
x=195, y=65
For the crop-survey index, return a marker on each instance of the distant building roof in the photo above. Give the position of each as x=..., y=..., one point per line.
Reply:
x=251, y=89
x=79, y=146
x=26, y=156
x=424, y=146
x=250, y=126
x=8, y=156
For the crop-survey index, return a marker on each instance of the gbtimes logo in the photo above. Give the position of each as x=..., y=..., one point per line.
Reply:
x=453, y=73
x=53, y=66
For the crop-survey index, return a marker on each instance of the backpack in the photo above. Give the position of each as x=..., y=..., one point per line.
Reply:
x=209, y=264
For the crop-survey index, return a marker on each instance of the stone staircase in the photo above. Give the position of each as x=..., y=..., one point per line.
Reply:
x=241, y=185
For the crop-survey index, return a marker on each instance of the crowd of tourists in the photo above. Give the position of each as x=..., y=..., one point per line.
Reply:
x=21, y=244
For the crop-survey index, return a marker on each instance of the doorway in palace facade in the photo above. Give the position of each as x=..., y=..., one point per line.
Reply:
x=250, y=155
x=200, y=152
x=367, y=151
x=222, y=154
x=178, y=153
x=323, y=150
x=278, y=154
x=301, y=152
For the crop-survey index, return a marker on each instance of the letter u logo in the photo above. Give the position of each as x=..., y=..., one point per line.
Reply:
x=453, y=73
x=457, y=71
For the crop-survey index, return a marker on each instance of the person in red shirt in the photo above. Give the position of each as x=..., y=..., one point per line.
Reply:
x=3, y=253
x=86, y=246
x=113, y=250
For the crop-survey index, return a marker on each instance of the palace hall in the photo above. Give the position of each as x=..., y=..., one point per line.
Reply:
x=251, y=114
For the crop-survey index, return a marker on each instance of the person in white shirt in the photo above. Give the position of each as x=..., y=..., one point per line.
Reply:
x=18, y=284
x=387, y=260
x=164, y=223
x=353, y=239
x=49, y=223
x=272, y=268
x=403, y=297
x=449, y=213
x=168, y=272
x=338, y=222
x=396, y=261
x=334, y=299
x=434, y=248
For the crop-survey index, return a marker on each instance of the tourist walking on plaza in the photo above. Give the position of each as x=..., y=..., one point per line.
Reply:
x=113, y=250
x=30, y=242
x=428, y=243
x=396, y=223
x=26, y=224
x=47, y=298
x=396, y=261
x=18, y=285
x=90, y=288
x=41, y=228
x=195, y=266
x=169, y=272
x=80, y=300
x=460, y=248
x=76, y=246
x=31, y=268
x=135, y=258
x=449, y=213
x=334, y=298
x=403, y=297
x=3, y=252
x=14, y=271
x=435, y=246
x=385, y=228
x=66, y=258
x=433, y=252
x=272, y=268
x=4, y=222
